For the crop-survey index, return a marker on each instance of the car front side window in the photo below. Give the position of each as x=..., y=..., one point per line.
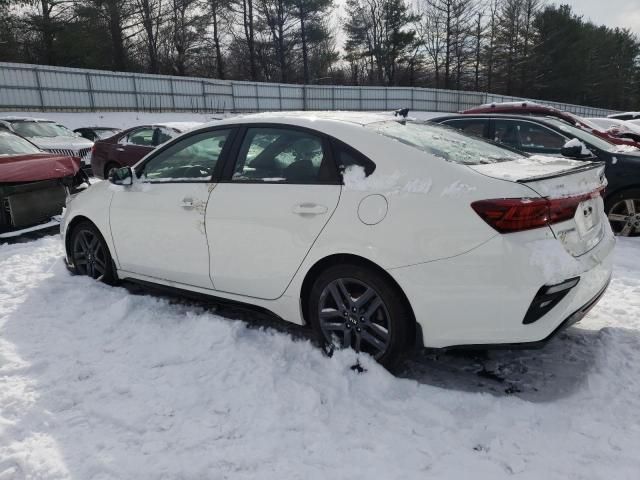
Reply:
x=282, y=155
x=191, y=159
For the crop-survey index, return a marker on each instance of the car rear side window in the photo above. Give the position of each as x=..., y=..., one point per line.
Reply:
x=443, y=142
x=142, y=137
x=347, y=156
x=282, y=155
x=528, y=136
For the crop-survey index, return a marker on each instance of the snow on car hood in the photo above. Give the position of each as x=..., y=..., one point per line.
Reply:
x=35, y=167
x=71, y=143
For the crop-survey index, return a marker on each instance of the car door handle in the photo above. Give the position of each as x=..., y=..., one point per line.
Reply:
x=120, y=149
x=309, y=209
x=187, y=203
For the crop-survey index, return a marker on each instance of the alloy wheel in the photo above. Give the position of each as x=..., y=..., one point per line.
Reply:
x=625, y=217
x=353, y=315
x=89, y=255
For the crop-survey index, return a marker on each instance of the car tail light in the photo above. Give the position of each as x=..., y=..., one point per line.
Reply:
x=508, y=215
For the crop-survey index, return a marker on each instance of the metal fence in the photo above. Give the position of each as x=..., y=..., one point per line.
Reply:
x=46, y=88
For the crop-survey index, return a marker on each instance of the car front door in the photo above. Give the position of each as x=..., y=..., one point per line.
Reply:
x=158, y=223
x=135, y=145
x=274, y=201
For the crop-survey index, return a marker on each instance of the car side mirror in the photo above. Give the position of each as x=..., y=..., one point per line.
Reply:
x=121, y=176
x=575, y=149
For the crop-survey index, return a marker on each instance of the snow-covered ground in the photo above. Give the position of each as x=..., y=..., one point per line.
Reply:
x=107, y=383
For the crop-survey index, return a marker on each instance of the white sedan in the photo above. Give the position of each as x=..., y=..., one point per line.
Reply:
x=380, y=233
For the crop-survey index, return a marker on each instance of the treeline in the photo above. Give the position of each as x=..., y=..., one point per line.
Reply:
x=514, y=47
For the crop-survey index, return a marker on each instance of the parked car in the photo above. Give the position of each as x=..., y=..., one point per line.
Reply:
x=626, y=116
x=550, y=136
x=535, y=109
x=33, y=185
x=618, y=128
x=97, y=133
x=50, y=136
x=378, y=232
x=128, y=146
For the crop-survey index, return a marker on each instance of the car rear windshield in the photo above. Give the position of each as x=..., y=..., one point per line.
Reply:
x=445, y=142
x=41, y=129
x=11, y=144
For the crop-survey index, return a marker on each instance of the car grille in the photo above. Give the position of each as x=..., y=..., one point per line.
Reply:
x=72, y=153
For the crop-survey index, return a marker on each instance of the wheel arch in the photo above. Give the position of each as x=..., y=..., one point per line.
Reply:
x=347, y=258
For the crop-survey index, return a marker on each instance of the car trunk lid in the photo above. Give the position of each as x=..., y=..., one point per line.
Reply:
x=570, y=186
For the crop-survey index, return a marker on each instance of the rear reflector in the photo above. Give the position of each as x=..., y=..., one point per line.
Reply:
x=547, y=298
x=508, y=215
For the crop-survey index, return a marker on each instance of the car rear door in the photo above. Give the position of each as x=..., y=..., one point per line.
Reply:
x=158, y=223
x=275, y=199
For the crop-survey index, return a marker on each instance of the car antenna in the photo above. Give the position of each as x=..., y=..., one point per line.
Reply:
x=402, y=112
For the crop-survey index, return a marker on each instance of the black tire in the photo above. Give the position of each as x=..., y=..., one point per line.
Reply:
x=108, y=167
x=624, y=220
x=357, y=279
x=90, y=254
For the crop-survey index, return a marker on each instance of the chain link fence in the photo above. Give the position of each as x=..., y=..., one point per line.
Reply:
x=46, y=88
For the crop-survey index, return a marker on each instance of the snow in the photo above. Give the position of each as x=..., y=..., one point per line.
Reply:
x=574, y=142
x=355, y=179
x=126, y=119
x=100, y=382
x=457, y=189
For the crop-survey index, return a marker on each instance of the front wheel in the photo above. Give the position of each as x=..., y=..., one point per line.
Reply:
x=357, y=307
x=623, y=212
x=90, y=255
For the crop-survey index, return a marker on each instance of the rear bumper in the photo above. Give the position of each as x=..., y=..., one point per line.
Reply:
x=482, y=297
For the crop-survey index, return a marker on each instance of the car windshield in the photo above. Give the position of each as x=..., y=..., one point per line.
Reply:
x=445, y=142
x=11, y=144
x=584, y=136
x=41, y=129
x=104, y=133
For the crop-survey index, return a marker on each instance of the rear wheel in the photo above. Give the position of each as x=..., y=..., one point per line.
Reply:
x=90, y=254
x=351, y=306
x=623, y=211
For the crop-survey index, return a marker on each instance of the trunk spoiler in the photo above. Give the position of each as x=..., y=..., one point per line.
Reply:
x=581, y=168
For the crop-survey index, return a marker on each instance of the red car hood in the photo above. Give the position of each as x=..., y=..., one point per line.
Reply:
x=34, y=167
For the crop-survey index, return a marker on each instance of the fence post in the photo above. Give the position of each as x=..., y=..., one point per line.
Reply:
x=304, y=96
x=173, y=100
x=333, y=97
x=90, y=91
x=233, y=97
x=412, y=98
x=39, y=86
x=360, y=99
x=437, y=105
x=204, y=96
x=135, y=92
x=280, y=96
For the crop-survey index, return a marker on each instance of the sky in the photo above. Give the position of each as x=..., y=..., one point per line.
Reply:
x=613, y=13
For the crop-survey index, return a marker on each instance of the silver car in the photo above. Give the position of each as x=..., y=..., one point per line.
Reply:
x=50, y=136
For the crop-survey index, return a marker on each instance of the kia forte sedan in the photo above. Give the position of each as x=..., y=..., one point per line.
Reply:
x=379, y=233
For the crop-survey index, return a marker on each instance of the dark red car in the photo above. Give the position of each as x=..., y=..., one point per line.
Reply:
x=33, y=185
x=532, y=108
x=127, y=147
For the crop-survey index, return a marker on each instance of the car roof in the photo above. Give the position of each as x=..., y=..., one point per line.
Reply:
x=510, y=116
x=97, y=128
x=309, y=118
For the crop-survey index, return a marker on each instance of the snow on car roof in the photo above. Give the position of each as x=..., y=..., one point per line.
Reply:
x=358, y=118
x=523, y=103
x=180, y=126
x=26, y=119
